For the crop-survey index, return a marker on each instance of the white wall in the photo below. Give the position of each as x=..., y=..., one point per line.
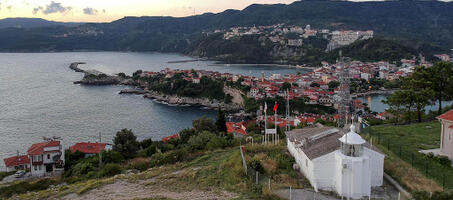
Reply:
x=324, y=173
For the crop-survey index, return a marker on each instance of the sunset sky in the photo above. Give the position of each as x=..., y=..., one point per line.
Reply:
x=108, y=10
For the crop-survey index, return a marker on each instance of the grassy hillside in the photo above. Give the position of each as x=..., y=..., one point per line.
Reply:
x=213, y=174
x=405, y=163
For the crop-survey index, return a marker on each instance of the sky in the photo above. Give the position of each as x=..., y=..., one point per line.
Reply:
x=109, y=10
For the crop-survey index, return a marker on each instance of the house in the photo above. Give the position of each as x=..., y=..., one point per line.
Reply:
x=446, y=138
x=171, y=137
x=332, y=161
x=237, y=129
x=20, y=162
x=46, y=158
x=90, y=149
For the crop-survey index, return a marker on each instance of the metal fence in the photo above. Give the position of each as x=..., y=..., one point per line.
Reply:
x=429, y=166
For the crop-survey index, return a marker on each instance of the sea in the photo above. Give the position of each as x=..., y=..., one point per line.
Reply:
x=38, y=98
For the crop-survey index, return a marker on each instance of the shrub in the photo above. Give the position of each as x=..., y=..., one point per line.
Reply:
x=23, y=187
x=216, y=142
x=256, y=165
x=110, y=170
x=111, y=157
x=257, y=188
x=149, y=151
x=82, y=168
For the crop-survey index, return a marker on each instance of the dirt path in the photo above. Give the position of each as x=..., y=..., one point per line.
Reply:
x=148, y=188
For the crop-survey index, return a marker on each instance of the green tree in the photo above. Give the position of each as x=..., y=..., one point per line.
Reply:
x=221, y=122
x=285, y=86
x=439, y=78
x=204, y=124
x=125, y=142
x=333, y=84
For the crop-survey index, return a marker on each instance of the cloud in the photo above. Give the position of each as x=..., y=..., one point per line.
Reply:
x=53, y=7
x=90, y=11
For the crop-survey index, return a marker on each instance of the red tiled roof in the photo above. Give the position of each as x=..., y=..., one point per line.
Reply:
x=87, y=147
x=451, y=127
x=174, y=136
x=447, y=116
x=38, y=149
x=239, y=128
x=16, y=161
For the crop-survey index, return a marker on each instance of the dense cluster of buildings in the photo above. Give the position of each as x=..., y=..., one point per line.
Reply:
x=294, y=35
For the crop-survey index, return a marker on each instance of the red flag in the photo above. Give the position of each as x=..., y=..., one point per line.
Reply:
x=275, y=106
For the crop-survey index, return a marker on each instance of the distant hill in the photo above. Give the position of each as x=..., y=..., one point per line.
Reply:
x=31, y=23
x=424, y=26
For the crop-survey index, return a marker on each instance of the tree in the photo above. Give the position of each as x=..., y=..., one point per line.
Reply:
x=204, y=124
x=333, y=84
x=125, y=142
x=440, y=78
x=285, y=86
x=221, y=122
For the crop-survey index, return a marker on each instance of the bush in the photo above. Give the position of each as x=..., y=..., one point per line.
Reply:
x=151, y=150
x=216, y=142
x=447, y=195
x=23, y=187
x=198, y=142
x=257, y=188
x=111, y=157
x=82, y=168
x=256, y=165
x=110, y=170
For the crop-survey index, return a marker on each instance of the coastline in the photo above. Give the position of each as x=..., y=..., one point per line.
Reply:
x=93, y=78
x=268, y=65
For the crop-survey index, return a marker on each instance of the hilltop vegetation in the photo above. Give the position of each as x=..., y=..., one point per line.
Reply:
x=256, y=49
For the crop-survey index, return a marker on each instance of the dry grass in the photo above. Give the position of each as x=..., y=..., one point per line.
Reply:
x=407, y=175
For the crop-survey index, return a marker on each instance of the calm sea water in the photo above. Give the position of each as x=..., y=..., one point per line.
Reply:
x=376, y=105
x=38, y=98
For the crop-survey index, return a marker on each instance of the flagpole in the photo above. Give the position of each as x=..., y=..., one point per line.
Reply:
x=275, y=121
x=265, y=122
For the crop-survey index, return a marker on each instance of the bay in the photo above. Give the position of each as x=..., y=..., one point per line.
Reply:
x=38, y=98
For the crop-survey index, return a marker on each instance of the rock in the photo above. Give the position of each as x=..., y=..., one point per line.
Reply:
x=101, y=79
x=132, y=91
x=173, y=99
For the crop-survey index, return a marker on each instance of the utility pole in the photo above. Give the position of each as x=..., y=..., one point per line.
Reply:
x=287, y=111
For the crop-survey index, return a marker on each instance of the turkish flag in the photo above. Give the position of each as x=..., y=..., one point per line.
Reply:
x=275, y=106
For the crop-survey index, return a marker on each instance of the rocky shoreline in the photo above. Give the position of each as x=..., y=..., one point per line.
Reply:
x=93, y=77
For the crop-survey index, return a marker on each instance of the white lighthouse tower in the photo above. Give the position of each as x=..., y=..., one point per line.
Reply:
x=358, y=168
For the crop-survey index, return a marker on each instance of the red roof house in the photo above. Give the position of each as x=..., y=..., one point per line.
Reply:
x=17, y=162
x=88, y=147
x=174, y=136
x=38, y=149
x=237, y=129
x=446, y=138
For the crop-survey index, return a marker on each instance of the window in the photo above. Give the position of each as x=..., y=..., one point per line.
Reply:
x=36, y=168
x=306, y=162
x=40, y=168
x=48, y=156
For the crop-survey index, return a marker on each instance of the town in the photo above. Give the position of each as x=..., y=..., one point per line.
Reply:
x=294, y=35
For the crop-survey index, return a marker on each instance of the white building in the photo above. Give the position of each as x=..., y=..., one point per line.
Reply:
x=335, y=162
x=46, y=158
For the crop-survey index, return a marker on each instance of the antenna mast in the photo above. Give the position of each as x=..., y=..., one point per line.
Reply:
x=344, y=100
